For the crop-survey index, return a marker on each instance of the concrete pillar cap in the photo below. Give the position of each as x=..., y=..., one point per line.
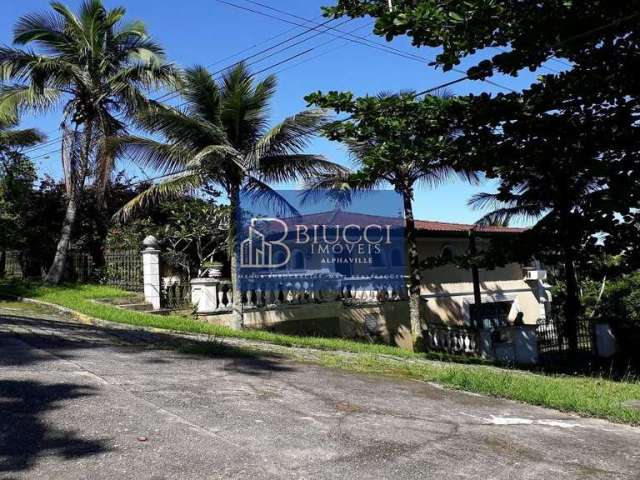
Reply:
x=150, y=243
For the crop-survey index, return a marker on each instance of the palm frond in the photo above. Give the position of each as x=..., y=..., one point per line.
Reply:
x=296, y=167
x=244, y=108
x=260, y=192
x=505, y=208
x=485, y=200
x=171, y=188
x=180, y=127
x=203, y=94
x=504, y=216
x=289, y=136
x=214, y=157
x=46, y=29
x=434, y=176
x=17, y=139
x=340, y=187
x=16, y=98
x=165, y=157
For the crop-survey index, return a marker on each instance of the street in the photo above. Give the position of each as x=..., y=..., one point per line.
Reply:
x=80, y=402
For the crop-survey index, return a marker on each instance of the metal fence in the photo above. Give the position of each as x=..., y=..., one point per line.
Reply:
x=123, y=269
x=13, y=264
x=80, y=268
x=176, y=296
x=553, y=338
x=23, y=264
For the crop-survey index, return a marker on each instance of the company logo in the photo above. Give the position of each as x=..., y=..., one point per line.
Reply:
x=270, y=247
x=354, y=246
x=257, y=252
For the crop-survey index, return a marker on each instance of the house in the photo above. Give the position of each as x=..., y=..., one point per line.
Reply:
x=343, y=296
x=515, y=293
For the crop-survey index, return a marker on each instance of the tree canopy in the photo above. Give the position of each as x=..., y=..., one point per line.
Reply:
x=566, y=149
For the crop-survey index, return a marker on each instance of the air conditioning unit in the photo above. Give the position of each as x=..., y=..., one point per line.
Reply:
x=535, y=274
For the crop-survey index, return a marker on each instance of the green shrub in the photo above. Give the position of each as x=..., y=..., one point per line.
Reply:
x=620, y=307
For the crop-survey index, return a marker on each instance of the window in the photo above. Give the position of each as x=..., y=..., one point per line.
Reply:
x=298, y=260
x=490, y=315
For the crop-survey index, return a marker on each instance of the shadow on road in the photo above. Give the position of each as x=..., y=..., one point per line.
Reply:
x=25, y=434
x=27, y=340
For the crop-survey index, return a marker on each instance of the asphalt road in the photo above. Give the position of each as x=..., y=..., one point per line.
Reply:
x=80, y=402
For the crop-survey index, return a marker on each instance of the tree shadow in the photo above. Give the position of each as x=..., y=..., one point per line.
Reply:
x=26, y=432
x=25, y=435
x=37, y=336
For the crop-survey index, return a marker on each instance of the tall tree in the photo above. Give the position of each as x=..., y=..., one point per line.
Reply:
x=221, y=138
x=17, y=175
x=402, y=140
x=98, y=68
x=575, y=130
x=557, y=189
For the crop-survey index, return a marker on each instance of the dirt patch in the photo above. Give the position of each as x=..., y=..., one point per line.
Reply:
x=347, y=407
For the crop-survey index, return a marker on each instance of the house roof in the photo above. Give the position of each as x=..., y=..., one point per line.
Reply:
x=338, y=217
x=445, y=227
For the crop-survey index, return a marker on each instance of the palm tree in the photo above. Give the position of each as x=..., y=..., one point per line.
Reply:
x=555, y=200
x=12, y=140
x=221, y=138
x=405, y=156
x=96, y=67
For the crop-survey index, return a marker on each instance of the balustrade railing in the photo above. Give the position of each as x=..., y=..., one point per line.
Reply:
x=268, y=293
x=451, y=339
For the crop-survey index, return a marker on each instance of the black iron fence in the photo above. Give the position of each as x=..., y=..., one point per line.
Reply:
x=27, y=265
x=176, y=296
x=123, y=269
x=13, y=267
x=553, y=335
x=81, y=268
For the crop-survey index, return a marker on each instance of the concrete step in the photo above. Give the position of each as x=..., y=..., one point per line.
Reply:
x=139, y=307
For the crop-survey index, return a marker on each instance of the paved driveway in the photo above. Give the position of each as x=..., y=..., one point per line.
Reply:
x=80, y=402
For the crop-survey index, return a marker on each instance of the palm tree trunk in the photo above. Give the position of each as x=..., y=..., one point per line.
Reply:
x=414, y=270
x=75, y=187
x=56, y=272
x=234, y=201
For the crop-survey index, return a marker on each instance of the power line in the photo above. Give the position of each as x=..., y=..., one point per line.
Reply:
x=367, y=43
x=354, y=38
x=325, y=52
x=293, y=57
x=371, y=44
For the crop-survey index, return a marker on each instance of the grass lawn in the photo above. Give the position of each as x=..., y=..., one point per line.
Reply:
x=587, y=396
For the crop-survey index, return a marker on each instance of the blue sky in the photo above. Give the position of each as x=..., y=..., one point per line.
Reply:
x=210, y=33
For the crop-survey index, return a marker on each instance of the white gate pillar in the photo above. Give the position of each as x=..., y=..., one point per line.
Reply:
x=151, y=271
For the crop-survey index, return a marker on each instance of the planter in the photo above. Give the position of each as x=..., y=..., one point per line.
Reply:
x=204, y=294
x=212, y=270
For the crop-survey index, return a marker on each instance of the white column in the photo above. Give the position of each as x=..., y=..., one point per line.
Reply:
x=151, y=271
